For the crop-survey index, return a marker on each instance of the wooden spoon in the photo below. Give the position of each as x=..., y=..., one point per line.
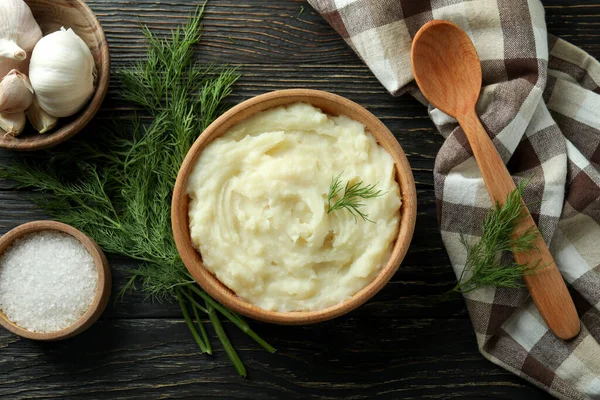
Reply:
x=448, y=71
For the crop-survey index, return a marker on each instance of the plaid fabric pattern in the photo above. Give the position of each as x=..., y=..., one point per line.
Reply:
x=541, y=106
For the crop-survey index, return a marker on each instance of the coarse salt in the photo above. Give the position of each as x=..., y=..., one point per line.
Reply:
x=48, y=280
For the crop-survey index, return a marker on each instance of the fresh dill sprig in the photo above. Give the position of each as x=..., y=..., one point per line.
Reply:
x=300, y=12
x=118, y=188
x=352, y=198
x=484, y=265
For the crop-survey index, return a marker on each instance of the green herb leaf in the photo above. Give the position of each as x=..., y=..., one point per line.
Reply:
x=484, y=266
x=202, y=330
x=229, y=349
x=186, y=315
x=233, y=317
x=118, y=189
x=352, y=198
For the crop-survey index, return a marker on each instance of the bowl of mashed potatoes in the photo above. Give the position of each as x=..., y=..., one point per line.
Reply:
x=294, y=207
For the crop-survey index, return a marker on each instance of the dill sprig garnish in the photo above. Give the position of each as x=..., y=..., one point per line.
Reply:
x=117, y=187
x=484, y=265
x=352, y=198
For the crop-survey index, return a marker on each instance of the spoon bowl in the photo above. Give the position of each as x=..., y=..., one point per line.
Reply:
x=447, y=67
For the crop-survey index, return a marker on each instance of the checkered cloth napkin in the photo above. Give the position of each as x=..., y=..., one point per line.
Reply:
x=541, y=106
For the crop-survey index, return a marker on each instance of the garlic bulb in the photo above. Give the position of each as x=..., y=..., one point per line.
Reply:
x=62, y=73
x=16, y=93
x=40, y=119
x=12, y=124
x=19, y=32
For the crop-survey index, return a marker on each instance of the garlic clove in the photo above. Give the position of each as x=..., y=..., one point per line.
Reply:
x=12, y=124
x=40, y=119
x=19, y=32
x=10, y=49
x=62, y=72
x=16, y=92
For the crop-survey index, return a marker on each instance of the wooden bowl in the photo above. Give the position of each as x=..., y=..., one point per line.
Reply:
x=333, y=105
x=102, y=291
x=51, y=15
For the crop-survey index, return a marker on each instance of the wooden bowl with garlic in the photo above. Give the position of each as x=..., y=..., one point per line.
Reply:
x=54, y=71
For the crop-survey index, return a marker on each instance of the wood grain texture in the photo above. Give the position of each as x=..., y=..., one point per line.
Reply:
x=350, y=358
x=448, y=72
x=333, y=105
x=407, y=342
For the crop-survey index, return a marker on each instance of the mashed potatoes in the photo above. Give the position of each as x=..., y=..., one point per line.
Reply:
x=258, y=209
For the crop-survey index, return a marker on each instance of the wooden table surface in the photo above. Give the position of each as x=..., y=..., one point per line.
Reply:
x=405, y=343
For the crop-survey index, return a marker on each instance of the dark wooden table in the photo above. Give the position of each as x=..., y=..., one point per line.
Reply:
x=405, y=343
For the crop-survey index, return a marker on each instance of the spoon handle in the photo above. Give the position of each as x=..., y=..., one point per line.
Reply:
x=546, y=286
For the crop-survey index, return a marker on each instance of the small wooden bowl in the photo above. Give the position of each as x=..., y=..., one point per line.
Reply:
x=333, y=105
x=102, y=291
x=51, y=15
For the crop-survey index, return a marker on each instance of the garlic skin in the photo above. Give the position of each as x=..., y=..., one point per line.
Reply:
x=19, y=32
x=7, y=65
x=40, y=119
x=12, y=124
x=62, y=72
x=16, y=92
